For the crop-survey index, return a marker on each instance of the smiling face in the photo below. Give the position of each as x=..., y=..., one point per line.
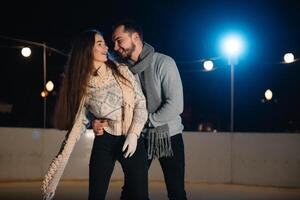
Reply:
x=123, y=42
x=100, y=50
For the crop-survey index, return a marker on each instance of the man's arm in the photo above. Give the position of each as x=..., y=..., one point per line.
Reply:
x=172, y=93
x=96, y=124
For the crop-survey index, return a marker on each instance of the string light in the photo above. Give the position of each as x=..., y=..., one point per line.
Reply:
x=268, y=94
x=208, y=65
x=44, y=94
x=289, y=58
x=49, y=86
x=26, y=51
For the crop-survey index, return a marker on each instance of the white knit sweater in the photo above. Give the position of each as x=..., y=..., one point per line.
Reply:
x=104, y=99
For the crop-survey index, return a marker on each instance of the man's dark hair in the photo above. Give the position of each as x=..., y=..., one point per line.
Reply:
x=130, y=26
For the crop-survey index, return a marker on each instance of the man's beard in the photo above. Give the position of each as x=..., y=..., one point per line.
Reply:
x=128, y=52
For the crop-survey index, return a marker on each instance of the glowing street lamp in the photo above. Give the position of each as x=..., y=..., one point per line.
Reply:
x=49, y=86
x=208, y=65
x=44, y=94
x=289, y=58
x=232, y=46
x=268, y=94
x=26, y=51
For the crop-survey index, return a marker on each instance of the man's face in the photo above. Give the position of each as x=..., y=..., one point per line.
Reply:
x=123, y=43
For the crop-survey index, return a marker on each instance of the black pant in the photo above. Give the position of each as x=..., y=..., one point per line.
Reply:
x=173, y=170
x=106, y=150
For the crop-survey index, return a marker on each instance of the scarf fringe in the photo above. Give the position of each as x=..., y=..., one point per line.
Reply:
x=159, y=143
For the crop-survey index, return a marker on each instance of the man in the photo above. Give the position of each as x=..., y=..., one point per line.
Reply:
x=161, y=83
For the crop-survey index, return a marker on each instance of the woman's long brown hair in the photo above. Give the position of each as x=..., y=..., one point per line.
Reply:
x=79, y=69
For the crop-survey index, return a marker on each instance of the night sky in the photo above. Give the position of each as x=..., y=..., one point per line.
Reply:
x=188, y=31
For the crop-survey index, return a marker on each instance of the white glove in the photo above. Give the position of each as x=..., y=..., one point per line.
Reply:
x=130, y=144
x=48, y=196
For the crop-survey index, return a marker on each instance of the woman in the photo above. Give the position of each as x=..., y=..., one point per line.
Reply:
x=94, y=84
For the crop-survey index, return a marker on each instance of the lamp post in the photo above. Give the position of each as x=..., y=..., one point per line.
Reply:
x=44, y=83
x=26, y=52
x=231, y=62
x=232, y=46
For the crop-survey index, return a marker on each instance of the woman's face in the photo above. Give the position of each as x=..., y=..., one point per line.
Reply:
x=100, y=50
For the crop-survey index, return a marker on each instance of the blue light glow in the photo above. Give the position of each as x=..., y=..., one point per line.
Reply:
x=233, y=45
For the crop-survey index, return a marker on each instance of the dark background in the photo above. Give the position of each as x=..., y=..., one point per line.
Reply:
x=188, y=31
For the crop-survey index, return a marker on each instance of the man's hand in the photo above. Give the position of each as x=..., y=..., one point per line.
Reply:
x=99, y=125
x=130, y=144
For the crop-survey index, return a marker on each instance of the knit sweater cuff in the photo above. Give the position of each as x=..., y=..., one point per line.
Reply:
x=136, y=129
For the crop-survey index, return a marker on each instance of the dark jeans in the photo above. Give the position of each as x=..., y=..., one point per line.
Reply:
x=173, y=170
x=107, y=149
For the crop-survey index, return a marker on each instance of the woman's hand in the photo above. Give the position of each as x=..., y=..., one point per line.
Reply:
x=130, y=144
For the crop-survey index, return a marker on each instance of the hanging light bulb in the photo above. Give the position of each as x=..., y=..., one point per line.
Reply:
x=289, y=58
x=49, y=86
x=268, y=94
x=44, y=94
x=208, y=65
x=26, y=51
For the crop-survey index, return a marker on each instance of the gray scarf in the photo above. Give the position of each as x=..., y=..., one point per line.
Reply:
x=159, y=142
